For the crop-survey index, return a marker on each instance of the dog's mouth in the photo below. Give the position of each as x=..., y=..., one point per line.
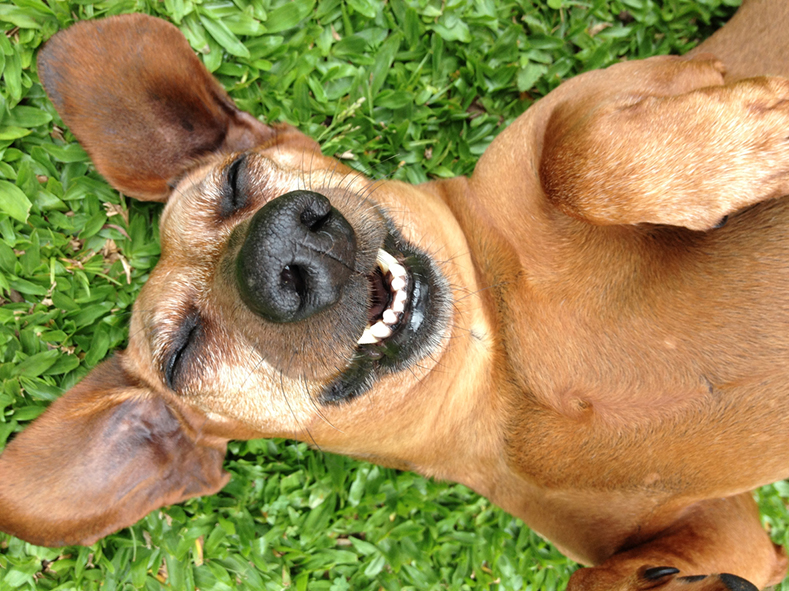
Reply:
x=301, y=267
x=389, y=289
x=406, y=319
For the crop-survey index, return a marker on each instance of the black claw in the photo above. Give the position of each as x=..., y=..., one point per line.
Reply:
x=735, y=583
x=658, y=572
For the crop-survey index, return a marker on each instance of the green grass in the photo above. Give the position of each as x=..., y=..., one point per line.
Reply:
x=412, y=89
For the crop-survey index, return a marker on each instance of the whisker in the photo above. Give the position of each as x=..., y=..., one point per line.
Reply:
x=293, y=414
x=478, y=291
x=317, y=408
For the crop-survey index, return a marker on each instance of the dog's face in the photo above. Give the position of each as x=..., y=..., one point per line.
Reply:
x=370, y=303
x=294, y=297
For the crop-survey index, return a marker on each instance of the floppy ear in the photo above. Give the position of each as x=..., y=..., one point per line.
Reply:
x=140, y=102
x=100, y=458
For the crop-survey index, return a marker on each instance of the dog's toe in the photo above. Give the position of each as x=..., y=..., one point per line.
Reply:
x=720, y=582
x=658, y=572
x=735, y=583
x=655, y=578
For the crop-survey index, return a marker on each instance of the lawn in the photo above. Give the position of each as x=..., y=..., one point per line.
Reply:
x=409, y=89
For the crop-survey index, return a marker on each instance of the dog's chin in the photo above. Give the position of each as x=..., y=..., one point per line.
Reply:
x=408, y=317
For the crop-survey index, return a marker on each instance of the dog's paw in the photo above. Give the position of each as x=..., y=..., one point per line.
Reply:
x=749, y=137
x=670, y=578
x=671, y=75
x=662, y=578
x=684, y=160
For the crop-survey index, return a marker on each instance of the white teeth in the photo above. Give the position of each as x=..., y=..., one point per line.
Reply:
x=384, y=328
x=385, y=261
x=398, y=270
x=380, y=330
x=390, y=317
x=398, y=283
x=367, y=338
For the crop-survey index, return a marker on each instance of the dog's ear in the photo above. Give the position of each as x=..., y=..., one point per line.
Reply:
x=103, y=456
x=141, y=103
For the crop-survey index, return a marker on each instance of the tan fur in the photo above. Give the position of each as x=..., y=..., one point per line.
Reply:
x=614, y=368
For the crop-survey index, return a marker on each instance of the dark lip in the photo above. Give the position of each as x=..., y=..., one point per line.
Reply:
x=419, y=333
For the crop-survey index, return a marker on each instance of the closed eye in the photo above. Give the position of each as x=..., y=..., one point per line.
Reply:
x=181, y=351
x=234, y=187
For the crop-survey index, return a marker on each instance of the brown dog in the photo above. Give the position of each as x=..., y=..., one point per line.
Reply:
x=576, y=332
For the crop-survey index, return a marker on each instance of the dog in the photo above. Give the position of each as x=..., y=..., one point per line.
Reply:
x=603, y=354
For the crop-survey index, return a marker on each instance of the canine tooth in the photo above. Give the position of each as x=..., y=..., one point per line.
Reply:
x=385, y=260
x=367, y=337
x=398, y=283
x=390, y=317
x=397, y=270
x=380, y=330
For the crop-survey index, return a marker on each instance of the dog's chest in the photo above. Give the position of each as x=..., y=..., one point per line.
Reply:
x=651, y=351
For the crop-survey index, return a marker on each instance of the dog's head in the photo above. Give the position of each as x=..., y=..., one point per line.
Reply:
x=294, y=297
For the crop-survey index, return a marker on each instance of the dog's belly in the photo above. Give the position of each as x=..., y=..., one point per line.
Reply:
x=642, y=368
x=647, y=358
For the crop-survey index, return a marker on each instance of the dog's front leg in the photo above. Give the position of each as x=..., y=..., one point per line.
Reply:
x=688, y=159
x=716, y=545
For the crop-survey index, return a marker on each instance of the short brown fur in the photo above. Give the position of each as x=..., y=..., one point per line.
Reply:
x=614, y=370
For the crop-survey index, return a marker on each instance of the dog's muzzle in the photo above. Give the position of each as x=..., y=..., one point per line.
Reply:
x=298, y=254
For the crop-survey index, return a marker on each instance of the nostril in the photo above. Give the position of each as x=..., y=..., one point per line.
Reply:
x=297, y=256
x=313, y=222
x=292, y=279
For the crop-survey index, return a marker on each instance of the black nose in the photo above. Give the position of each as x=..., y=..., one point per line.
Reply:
x=297, y=256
